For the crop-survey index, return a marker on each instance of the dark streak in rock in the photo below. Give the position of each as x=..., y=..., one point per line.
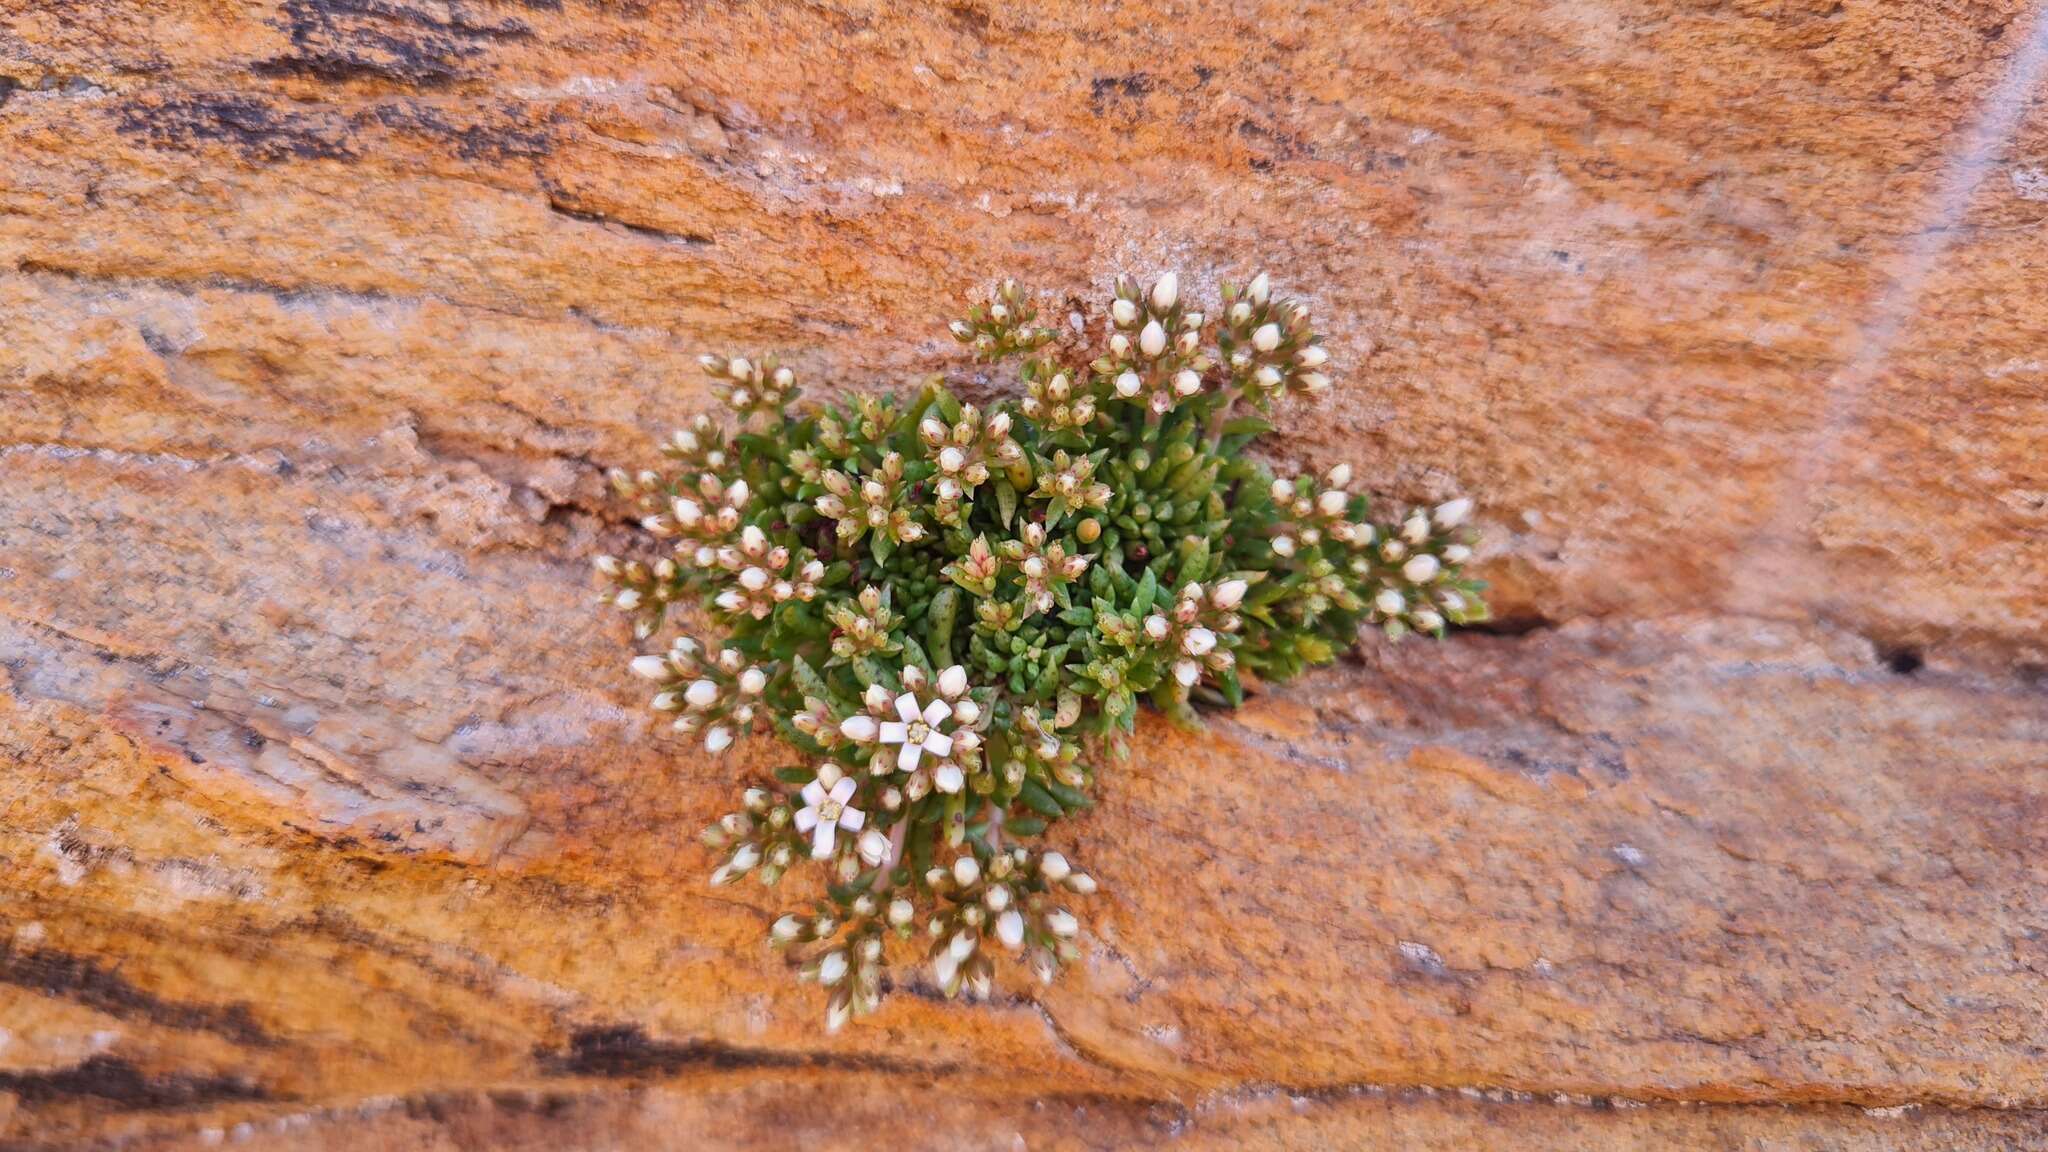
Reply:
x=122, y=1084
x=626, y=1051
x=82, y=981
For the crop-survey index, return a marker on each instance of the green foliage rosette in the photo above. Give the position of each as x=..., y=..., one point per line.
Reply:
x=948, y=613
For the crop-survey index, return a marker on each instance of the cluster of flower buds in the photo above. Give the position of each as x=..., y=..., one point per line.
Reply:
x=903, y=730
x=703, y=521
x=977, y=571
x=699, y=448
x=1198, y=629
x=1069, y=483
x=639, y=590
x=1421, y=557
x=1155, y=342
x=1049, y=738
x=1053, y=399
x=1267, y=344
x=1313, y=515
x=764, y=575
x=844, y=957
x=1015, y=902
x=719, y=696
x=877, y=502
x=864, y=625
x=1004, y=326
x=965, y=454
x=748, y=386
x=761, y=838
x=1044, y=564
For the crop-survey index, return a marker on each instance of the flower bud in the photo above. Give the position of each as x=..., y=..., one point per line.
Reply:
x=1420, y=569
x=1389, y=602
x=1452, y=513
x=1124, y=312
x=1187, y=382
x=1128, y=384
x=701, y=694
x=1010, y=929
x=1229, y=594
x=1267, y=337
x=1053, y=867
x=1260, y=289
x=651, y=667
x=859, y=728
x=718, y=739
x=1199, y=642
x=966, y=870
x=1165, y=292
x=953, y=681
x=1152, y=341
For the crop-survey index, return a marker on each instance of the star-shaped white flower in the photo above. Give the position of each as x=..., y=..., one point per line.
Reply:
x=827, y=812
x=918, y=731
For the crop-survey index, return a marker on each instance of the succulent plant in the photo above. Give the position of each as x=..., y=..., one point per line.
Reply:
x=949, y=617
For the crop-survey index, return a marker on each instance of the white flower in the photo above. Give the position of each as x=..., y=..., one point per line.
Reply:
x=832, y=969
x=966, y=870
x=1010, y=929
x=1229, y=594
x=1420, y=569
x=651, y=667
x=825, y=811
x=918, y=728
x=953, y=681
x=1152, y=341
x=874, y=847
x=1452, y=513
x=1165, y=291
x=1267, y=337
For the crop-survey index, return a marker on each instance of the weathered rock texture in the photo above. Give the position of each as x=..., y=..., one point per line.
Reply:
x=329, y=820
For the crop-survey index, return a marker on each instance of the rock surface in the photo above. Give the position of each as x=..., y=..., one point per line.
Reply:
x=329, y=818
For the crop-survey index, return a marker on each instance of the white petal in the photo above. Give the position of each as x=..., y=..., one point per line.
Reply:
x=852, y=819
x=806, y=819
x=938, y=744
x=895, y=732
x=906, y=707
x=906, y=760
x=843, y=790
x=1010, y=929
x=821, y=842
x=936, y=711
x=814, y=793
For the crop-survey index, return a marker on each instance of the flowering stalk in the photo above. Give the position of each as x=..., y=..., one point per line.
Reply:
x=952, y=613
